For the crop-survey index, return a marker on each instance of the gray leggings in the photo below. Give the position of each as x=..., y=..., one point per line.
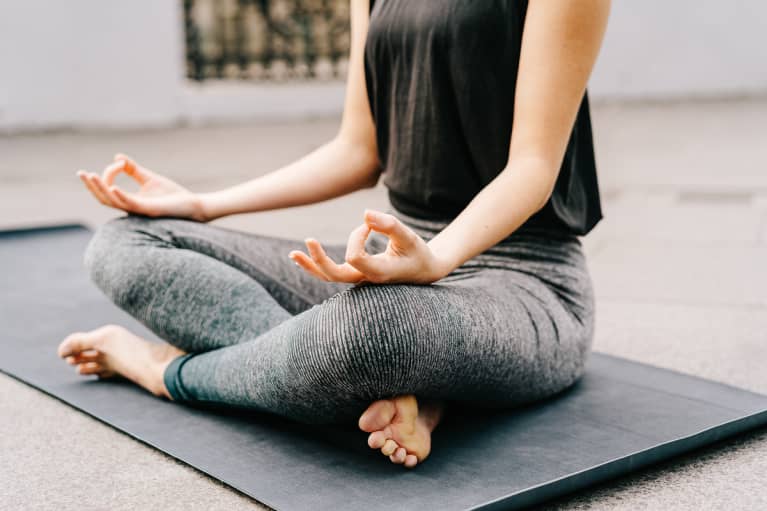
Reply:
x=512, y=325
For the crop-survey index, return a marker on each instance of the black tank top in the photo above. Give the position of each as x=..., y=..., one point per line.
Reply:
x=440, y=78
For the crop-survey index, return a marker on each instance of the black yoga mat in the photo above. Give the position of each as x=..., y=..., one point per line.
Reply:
x=621, y=416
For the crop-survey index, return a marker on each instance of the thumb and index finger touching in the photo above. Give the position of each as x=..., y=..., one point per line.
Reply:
x=103, y=187
x=123, y=163
x=377, y=267
x=392, y=227
x=375, y=221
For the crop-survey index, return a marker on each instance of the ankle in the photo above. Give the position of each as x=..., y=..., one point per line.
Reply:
x=158, y=387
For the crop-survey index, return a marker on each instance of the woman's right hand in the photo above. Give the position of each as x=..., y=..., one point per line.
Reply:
x=157, y=196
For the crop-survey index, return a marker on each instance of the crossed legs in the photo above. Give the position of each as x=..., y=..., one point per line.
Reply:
x=245, y=327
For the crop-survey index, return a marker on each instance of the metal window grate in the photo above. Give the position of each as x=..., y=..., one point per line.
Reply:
x=266, y=40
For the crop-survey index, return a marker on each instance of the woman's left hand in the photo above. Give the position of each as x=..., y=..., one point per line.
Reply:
x=407, y=258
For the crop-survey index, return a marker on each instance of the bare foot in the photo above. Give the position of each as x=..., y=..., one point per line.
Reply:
x=112, y=350
x=401, y=429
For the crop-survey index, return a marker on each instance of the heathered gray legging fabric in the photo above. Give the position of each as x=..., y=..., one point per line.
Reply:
x=512, y=325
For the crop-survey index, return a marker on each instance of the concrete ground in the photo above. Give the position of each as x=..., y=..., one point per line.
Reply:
x=678, y=265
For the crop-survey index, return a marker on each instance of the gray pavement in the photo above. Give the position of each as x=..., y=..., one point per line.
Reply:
x=678, y=265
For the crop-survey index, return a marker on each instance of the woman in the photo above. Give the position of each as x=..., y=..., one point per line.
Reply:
x=472, y=288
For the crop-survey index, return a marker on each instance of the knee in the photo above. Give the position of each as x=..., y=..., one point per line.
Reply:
x=107, y=256
x=105, y=242
x=102, y=238
x=361, y=342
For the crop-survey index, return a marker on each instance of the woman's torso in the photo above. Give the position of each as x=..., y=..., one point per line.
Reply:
x=440, y=78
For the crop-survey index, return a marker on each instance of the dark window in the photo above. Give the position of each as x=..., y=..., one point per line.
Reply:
x=266, y=40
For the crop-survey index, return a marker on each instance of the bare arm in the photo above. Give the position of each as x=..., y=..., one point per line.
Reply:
x=347, y=163
x=560, y=44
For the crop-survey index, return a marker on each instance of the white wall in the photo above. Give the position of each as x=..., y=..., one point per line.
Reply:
x=89, y=62
x=683, y=48
x=117, y=63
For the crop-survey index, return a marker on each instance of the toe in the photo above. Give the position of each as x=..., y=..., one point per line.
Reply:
x=69, y=345
x=377, y=416
x=399, y=456
x=411, y=461
x=89, y=368
x=389, y=447
x=377, y=439
x=77, y=343
x=84, y=356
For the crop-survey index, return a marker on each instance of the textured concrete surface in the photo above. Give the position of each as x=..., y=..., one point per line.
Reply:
x=678, y=265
